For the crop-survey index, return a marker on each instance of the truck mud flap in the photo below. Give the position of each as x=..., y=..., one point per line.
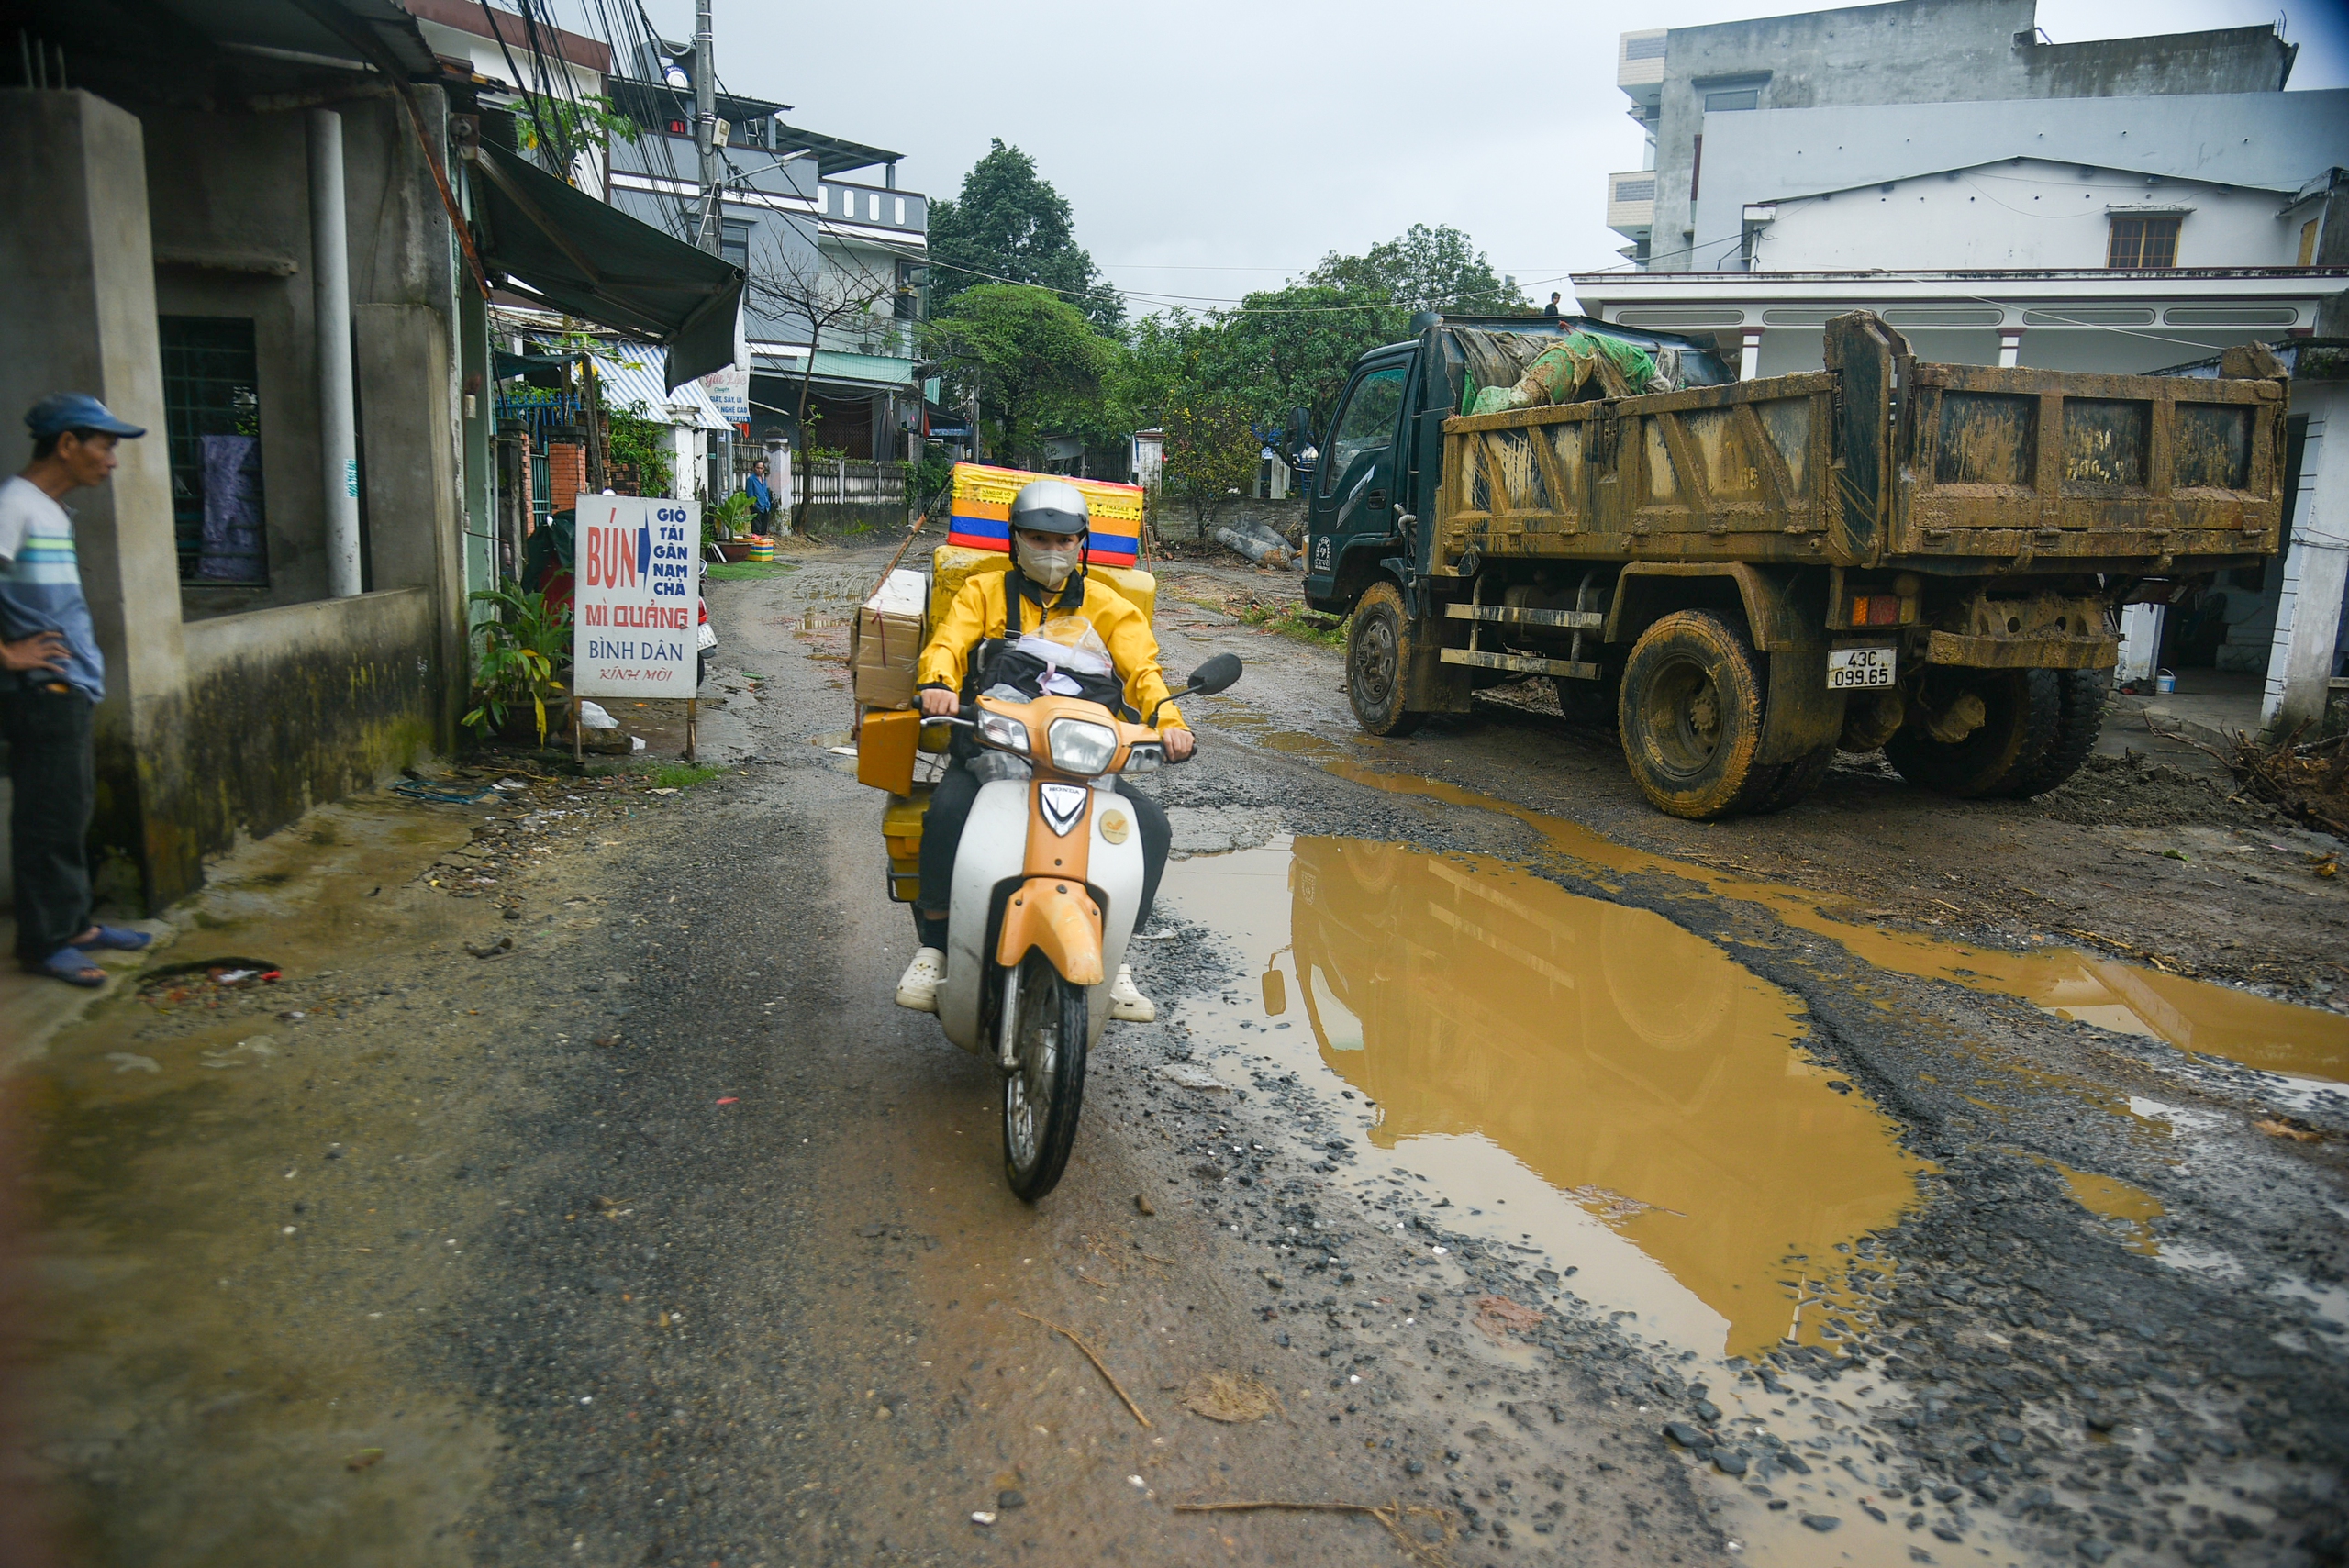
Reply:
x=1800, y=716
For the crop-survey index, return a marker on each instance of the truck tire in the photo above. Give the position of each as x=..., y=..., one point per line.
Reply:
x=1590, y=702
x=1995, y=758
x=1381, y=640
x=2076, y=698
x=1690, y=716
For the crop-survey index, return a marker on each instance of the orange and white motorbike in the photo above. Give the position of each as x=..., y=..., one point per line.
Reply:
x=1047, y=880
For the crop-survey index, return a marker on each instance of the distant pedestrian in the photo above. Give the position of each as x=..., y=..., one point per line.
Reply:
x=53, y=678
x=762, y=497
x=1551, y=308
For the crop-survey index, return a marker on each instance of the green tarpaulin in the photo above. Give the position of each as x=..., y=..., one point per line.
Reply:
x=578, y=256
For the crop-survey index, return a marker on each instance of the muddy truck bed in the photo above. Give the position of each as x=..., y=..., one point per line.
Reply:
x=1745, y=576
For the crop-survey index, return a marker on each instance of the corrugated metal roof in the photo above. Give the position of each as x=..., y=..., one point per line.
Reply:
x=632, y=380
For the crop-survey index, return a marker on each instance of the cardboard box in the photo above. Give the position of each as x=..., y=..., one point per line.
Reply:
x=883, y=688
x=884, y=641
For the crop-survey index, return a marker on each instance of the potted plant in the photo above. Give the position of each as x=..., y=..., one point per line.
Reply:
x=727, y=525
x=516, y=653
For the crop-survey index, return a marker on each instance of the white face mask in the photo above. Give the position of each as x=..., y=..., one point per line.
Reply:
x=1047, y=566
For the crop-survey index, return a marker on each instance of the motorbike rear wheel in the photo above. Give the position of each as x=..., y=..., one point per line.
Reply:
x=1046, y=1033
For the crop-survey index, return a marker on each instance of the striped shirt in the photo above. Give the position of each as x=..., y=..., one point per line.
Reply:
x=40, y=584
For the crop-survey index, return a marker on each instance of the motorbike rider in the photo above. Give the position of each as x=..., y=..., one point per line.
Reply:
x=1045, y=590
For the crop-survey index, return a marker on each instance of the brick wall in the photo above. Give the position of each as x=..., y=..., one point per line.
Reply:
x=566, y=472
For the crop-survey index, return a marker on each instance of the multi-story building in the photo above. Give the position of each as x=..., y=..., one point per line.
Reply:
x=1692, y=86
x=834, y=258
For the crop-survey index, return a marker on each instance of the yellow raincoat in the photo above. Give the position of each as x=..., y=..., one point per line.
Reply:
x=977, y=612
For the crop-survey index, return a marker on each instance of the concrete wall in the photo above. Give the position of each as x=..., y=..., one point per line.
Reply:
x=72, y=179
x=2309, y=615
x=293, y=707
x=2025, y=213
x=2267, y=145
x=232, y=724
x=1912, y=51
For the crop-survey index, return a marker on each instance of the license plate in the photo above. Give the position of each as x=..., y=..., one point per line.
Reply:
x=1859, y=669
x=706, y=636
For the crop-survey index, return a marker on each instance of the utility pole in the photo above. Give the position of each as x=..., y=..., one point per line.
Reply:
x=705, y=231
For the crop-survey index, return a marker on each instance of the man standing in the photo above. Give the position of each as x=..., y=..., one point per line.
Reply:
x=52, y=679
x=762, y=499
x=1551, y=308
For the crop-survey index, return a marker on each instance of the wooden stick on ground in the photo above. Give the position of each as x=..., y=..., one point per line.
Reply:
x=1391, y=1515
x=1115, y=1386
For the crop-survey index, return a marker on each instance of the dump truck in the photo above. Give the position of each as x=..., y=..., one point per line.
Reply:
x=1745, y=577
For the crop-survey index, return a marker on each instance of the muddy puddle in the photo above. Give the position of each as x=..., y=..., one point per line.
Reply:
x=2293, y=1042
x=1588, y=1081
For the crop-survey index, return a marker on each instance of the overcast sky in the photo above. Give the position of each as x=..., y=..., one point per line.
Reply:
x=1225, y=145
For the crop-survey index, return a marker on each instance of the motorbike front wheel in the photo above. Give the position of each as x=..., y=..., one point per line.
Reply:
x=1041, y=1096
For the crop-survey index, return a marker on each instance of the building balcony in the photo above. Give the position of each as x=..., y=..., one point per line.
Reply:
x=872, y=206
x=1631, y=203
x=1639, y=65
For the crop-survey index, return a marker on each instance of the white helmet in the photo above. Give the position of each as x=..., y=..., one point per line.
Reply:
x=1050, y=506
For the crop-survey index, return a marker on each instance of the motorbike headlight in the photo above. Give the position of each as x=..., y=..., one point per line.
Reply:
x=1145, y=758
x=1079, y=746
x=1002, y=731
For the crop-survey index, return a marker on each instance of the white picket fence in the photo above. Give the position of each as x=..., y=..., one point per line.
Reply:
x=837, y=481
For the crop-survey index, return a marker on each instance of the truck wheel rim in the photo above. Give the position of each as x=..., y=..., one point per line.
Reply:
x=1375, y=660
x=1685, y=716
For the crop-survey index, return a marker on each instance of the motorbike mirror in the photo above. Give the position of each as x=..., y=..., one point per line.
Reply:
x=1215, y=675
x=1275, y=992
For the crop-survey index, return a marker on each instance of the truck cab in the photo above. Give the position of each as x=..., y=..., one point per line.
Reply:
x=1374, y=476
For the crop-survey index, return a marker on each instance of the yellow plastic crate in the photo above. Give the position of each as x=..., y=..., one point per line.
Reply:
x=901, y=822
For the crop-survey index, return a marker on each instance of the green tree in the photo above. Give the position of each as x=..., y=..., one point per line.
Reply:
x=1210, y=450
x=1425, y=269
x=1031, y=357
x=1010, y=224
x=559, y=130
x=1296, y=344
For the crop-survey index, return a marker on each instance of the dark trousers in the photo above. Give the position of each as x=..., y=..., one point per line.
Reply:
x=53, y=781
x=941, y=835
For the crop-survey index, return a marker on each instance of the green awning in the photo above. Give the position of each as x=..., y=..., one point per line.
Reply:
x=583, y=257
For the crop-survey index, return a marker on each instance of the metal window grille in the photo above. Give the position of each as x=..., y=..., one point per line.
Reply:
x=212, y=388
x=2140, y=242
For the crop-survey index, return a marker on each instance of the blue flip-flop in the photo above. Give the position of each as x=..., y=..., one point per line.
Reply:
x=68, y=964
x=120, y=939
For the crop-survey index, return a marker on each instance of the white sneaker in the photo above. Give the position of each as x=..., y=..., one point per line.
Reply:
x=1127, y=1005
x=917, y=988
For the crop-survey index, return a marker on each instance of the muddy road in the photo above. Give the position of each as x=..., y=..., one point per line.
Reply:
x=1888, y=1181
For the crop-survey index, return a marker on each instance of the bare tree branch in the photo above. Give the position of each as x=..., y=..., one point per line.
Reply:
x=840, y=285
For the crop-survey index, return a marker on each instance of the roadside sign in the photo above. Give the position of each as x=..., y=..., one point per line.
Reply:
x=637, y=599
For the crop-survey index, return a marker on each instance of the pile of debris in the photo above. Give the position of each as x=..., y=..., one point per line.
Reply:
x=2308, y=781
x=1258, y=543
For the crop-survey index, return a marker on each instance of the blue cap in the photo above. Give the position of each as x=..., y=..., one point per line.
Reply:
x=63, y=411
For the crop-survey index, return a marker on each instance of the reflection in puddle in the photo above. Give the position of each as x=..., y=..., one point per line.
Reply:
x=1631, y=1099
x=2108, y=1198
x=2193, y=1015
